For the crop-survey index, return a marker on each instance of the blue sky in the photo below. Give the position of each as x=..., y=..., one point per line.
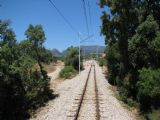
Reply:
x=58, y=33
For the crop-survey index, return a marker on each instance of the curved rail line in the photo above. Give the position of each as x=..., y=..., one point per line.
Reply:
x=84, y=92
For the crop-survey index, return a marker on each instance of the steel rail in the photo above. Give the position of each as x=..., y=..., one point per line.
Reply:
x=97, y=97
x=82, y=97
x=83, y=94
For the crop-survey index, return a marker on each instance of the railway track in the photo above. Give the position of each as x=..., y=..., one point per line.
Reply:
x=87, y=105
x=85, y=98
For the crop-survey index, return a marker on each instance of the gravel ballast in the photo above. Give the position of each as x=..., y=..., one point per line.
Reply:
x=62, y=107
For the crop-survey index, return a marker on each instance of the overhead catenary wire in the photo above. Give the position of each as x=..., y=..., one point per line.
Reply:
x=71, y=26
x=89, y=9
x=1, y=3
x=90, y=16
x=64, y=18
x=85, y=15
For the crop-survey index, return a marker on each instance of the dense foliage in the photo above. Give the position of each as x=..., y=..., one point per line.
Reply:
x=23, y=82
x=71, y=61
x=113, y=63
x=102, y=61
x=132, y=34
x=67, y=72
x=72, y=58
x=148, y=95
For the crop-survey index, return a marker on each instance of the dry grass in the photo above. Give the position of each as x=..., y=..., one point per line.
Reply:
x=49, y=67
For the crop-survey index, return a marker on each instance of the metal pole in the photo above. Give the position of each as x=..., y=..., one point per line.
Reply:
x=97, y=53
x=84, y=54
x=80, y=41
x=79, y=56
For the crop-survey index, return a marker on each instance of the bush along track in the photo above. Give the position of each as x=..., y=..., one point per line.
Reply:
x=24, y=85
x=71, y=60
x=132, y=36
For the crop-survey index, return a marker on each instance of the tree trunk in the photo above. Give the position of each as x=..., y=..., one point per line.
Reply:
x=40, y=65
x=123, y=47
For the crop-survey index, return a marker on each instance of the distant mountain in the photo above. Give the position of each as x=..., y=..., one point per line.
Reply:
x=93, y=49
x=56, y=53
x=89, y=49
x=84, y=49
x=64, y=52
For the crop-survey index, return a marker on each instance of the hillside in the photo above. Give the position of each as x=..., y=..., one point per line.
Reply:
x=90, y=49
x=56, y=52
x=93, y=49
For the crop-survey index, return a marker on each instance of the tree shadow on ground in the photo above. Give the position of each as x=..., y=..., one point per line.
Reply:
x=50, y=95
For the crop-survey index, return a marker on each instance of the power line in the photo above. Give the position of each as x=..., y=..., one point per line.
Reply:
x=85, y=15
x=64, y=18
x=90, y=17
x=1, y=2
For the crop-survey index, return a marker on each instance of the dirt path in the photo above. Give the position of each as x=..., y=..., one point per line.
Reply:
x=68, y=90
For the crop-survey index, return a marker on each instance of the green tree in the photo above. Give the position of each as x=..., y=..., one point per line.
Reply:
x=119, y=26
x=11, y=88
x=72, y=58
x=144, y=45
x=143, y=52
x=39, y=89
x=148, y=7
x=23, y=86
x=149, y=89
x=134, y=26
x=113, y=63
x=36, y=36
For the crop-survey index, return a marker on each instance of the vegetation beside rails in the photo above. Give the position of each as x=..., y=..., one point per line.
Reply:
x=24, y=84
x=71, y=61
x=132, y=36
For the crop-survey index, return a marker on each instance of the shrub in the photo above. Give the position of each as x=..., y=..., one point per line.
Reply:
x=113, y=63
x=144, y=45
x=149, y=88
x=72, y=58
x=102, y=61
x=23, y=88
x=128, y=85
x=67, y=72
x=154, y=115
